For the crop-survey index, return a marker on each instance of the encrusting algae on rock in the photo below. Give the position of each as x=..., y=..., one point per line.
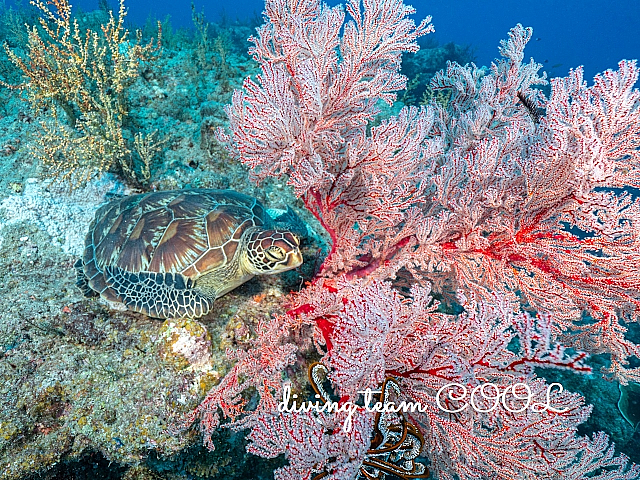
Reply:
x=187, y=344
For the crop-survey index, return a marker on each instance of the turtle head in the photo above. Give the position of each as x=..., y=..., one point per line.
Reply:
x=272, y=251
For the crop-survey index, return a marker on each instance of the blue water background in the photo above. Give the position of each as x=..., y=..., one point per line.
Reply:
x=567, y=33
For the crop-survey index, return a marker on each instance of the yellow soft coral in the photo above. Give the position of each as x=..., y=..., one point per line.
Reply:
x=85, y=75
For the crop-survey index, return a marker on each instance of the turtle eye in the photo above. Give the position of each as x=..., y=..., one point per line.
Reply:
x=275, y=254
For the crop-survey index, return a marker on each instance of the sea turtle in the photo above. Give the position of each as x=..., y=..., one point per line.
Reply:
x=171, y=254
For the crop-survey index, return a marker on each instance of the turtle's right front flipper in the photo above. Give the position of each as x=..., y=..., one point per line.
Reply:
x=160, y=295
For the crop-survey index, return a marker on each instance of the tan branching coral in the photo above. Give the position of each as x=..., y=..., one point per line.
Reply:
x=76, y=82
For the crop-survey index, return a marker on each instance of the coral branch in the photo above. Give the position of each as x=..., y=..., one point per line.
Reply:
x=503, y=203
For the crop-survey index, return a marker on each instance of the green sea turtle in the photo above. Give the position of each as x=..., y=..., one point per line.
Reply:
x=171, y=254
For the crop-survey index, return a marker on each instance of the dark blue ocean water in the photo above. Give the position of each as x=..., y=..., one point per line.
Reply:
x=567, y=33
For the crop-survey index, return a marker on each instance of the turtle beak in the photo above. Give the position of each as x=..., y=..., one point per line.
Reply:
x=294, y=259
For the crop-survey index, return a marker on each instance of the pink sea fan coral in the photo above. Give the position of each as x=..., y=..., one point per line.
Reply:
x=507, y=205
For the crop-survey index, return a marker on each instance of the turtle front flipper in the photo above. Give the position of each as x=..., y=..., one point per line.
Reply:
x=160, y=295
